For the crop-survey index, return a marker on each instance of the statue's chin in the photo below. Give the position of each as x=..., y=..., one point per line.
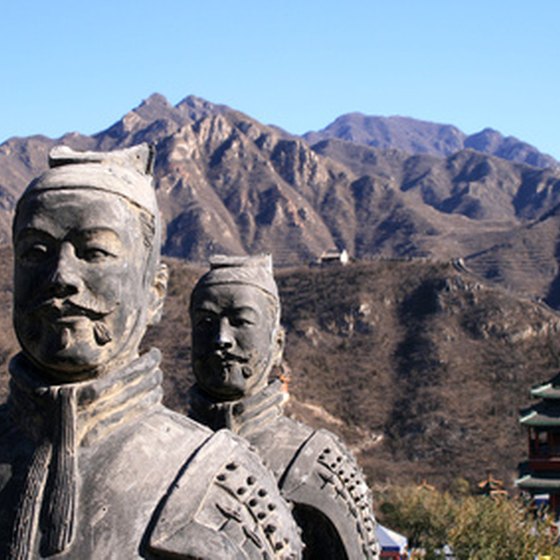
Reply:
x=71, y=364
x=70, y=349
x=228, y=383
x=77, y=350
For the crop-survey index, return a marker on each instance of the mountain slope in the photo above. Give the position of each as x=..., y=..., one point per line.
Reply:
x=421, y=367
x=227, y=183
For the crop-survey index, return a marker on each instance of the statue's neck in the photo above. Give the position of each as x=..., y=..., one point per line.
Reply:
x=243, y=416
x=99, y=405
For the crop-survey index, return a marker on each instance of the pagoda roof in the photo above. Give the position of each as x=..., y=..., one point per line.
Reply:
x=548, y=390
x=542, y=414
x=543, y=483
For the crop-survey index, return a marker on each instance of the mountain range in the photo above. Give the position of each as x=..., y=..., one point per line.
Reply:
x=419, y=137
x=376, y=186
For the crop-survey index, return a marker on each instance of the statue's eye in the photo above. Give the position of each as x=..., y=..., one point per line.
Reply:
x=96, y=245
x=96, y=254
x=34, y=253
x=241, y=322
x=204, y=321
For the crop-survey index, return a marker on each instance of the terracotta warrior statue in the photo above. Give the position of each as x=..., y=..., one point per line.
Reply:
x=236, y=341
x=92, y=465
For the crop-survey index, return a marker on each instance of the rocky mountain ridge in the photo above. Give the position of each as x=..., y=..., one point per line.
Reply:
x=227, y=183
x=421, y=137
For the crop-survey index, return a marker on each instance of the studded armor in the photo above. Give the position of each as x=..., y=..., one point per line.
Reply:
x=314, y=471
x=226, y=494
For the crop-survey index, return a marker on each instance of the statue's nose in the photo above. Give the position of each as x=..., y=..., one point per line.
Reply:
x=224, y=335
x=66, y=279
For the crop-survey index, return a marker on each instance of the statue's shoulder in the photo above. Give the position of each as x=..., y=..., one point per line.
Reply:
x=278, y=442
x=324, y=477
x=182, y=423
x=224, y=505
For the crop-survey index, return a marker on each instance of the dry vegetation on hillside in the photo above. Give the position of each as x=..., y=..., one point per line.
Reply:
x=420, y=367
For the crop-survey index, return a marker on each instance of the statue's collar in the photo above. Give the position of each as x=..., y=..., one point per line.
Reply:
x=243, y=416
x=100, y=405
x=61, y=418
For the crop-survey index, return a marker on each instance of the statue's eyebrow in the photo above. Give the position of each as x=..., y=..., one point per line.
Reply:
x=206, y=306
x=97, y=229
x=211, y=307
x=31, y=231
x=92, y=232
x=89, y=232
x=244, y=309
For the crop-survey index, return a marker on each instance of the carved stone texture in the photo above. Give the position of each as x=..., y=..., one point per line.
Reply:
x=92, y=465
x=237, y=341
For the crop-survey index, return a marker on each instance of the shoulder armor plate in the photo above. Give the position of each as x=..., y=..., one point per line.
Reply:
x=325, y=476
x=225, y=505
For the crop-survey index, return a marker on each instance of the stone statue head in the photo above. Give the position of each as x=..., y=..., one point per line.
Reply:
x=87, y=274
x=236, y=334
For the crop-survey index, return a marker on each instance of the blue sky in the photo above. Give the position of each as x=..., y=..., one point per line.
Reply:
x=80, y=66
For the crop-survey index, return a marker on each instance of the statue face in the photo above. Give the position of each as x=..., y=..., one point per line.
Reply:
x=80, y=299
x=234, y=339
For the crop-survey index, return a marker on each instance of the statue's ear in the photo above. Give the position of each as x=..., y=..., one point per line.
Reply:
x=158, y=291
x=278, y=343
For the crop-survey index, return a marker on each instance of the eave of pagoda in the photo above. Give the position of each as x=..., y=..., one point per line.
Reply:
x=546, y=391
x=542, y=415
x=532, y=482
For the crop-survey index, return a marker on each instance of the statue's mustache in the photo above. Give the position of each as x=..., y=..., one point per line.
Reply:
x=80, y=304
x=222, y=356
x=54, y=308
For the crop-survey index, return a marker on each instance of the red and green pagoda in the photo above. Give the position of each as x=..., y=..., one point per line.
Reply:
x=541, y=473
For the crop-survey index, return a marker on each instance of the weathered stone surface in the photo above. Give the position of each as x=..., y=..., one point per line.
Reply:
x=237, y=341
x=92, y=465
